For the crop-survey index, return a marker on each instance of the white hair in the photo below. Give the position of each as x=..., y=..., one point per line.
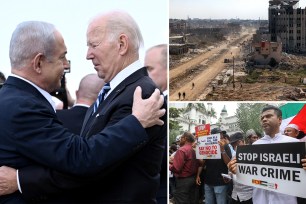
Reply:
x=29, y=39
x=163, y=55
x=250, y=132
x=120, y=22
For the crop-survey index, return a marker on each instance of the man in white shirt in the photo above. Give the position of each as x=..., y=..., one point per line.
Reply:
x=241, y=193
x=271, y=118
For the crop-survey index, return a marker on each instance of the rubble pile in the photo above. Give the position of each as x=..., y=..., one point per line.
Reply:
x=294, y=94
x=285, y=82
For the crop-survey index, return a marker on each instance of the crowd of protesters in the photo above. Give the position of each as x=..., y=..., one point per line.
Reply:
x=211, y=181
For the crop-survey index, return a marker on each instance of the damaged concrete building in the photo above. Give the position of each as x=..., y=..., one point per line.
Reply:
x=198, y=33
x=286, y=32
x=178, y=26
x=177, y=42
x=266, y=51
x=288, y=21
x=177, y=45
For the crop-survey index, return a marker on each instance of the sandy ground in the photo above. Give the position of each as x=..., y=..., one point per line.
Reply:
x=201, y=70
x=197, y=78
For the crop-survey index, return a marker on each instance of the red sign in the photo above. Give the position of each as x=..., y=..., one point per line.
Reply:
x=202, y=130
x=263, y=44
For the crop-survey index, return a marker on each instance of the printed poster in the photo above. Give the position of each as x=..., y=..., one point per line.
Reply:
x=274, y=167
x=208, y=147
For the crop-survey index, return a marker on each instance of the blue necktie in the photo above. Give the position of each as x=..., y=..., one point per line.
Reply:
x=101, y=95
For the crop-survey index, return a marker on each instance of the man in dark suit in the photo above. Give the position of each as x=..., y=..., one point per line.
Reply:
x=156, y=62
x=86, y=95
x=114, y=51
x=31, y=133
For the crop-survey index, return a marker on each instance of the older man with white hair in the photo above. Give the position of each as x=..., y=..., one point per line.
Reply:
x=251, y=136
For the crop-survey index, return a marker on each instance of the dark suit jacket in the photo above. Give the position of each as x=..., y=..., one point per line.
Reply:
x=72, y=118
x=31, y=133
x=161, y=196
x=135, y=180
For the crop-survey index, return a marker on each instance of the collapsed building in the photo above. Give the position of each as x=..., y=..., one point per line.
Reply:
x=197, y=33
x=177, y=45
x=265, y=51
x=286, y=32
x=288, y=22
x=178, y=26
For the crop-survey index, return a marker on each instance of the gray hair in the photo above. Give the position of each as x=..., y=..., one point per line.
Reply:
x=29, y=39
x=250, y=132
x=164, y=53
x=121, y=22
x=189, y=137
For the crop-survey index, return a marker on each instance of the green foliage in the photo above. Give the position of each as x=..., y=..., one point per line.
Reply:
x=252, y=77
x=248, y=116
x=255, y=75
x=172, y=135
x=174, y=112
x=300, y=72
x=198, y=106
x=212, y=113
x=174, y=127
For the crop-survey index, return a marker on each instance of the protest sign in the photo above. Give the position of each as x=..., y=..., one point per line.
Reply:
x=208, y=147
x=274, y=167
x=202, y=130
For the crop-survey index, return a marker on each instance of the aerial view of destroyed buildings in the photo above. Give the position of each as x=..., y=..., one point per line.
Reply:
x=240, y=60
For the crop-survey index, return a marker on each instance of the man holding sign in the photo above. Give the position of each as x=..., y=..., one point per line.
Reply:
x=215, y=186
x=271, y=118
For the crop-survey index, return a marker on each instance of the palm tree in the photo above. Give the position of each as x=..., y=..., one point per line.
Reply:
x=174, y=126
x=198, y=106
x=212, y=113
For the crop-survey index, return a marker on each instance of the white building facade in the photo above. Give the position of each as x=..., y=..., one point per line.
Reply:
x=193, y=117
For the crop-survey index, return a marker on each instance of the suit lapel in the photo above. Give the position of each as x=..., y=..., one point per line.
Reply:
x=86, y=120
x=121, y=87
x=106, y=104
x=23, y=85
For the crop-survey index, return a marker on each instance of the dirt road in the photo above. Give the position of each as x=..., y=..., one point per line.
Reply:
x=201, y=70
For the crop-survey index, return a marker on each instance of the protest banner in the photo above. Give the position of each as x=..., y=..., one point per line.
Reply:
x=274, y=167
x=208, y=147
x=202, y=130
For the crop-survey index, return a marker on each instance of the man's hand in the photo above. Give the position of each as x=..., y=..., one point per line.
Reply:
x=8, y=180
x=198, y=180
x=222, y=143
x=304, y=163
x=148, y=111
x=171, y=160
x=232, y=165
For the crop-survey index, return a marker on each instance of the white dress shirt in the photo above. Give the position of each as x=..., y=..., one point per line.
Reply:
x=43, y=92
x=261, y=196
x=243, y=192
x=123, y=74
